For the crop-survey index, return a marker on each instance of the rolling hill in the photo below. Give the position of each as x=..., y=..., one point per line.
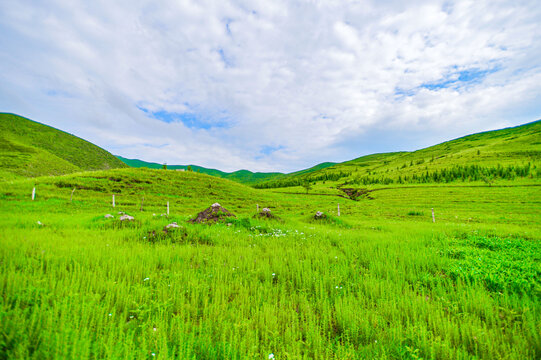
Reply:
x=30, y=149
x=241, y=176
x=512, y=151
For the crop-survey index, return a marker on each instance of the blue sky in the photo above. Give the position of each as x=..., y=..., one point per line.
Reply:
x=270, y=85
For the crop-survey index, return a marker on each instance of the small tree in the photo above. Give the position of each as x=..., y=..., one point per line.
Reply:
x=189, y=168
x=164, y=166
x=307, y=186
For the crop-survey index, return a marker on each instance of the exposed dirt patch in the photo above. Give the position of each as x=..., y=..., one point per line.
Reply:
x=320, y=216
x=167, y=233
x=212, y=214
x=354, y=194
x=267, y=215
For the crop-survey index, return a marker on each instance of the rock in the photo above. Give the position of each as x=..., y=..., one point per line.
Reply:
x=172, y=225
x=108, y=216
x=216, y=205
x=319, y=214
x=121, y=213
x=39, y=223
x=266, y=214
x=127, y=217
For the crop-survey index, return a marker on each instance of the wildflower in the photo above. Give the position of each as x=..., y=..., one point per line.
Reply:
x=153, y=354
x=154, y=329
x=110, y=314
x=146, y=279
x=39, y=223
x=273, y=274
x=271, y=356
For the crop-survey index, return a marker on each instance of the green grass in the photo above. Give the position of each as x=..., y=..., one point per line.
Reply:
x=484, y=157
x=381, y=281
x=241, y=176
x=30, y=149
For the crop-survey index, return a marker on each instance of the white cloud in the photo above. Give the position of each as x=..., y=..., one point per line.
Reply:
x=307, y=78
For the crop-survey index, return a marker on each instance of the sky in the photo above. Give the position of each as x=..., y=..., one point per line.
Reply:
x=270, y=85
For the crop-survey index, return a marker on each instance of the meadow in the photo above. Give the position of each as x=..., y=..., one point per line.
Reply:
x=380, y=281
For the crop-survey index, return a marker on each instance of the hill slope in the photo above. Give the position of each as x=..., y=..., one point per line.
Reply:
x=241, y=176
x=29, y=149
x=513, y=151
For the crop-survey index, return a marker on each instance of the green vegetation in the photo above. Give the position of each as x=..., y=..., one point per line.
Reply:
x=380, y=281
x=241, y=176
x=489, y=156
x=29, y=149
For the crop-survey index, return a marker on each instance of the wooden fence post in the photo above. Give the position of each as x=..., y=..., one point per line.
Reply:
x=71, y=196
x=257, y=208
x=338, y=209
x=168, y=208
x=142, y=200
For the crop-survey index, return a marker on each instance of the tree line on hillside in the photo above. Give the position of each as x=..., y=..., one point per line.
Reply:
x=300, y=181
x=445, y=175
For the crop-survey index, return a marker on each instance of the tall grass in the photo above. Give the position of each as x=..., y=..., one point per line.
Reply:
x=378, y=283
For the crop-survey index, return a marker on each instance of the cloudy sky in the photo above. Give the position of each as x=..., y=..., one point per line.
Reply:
x=268, y=84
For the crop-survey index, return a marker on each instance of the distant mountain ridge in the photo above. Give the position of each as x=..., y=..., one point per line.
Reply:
x=30, y=149
x=510, y=147
x=242, y=176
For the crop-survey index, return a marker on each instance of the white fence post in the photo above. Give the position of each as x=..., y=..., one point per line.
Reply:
x=33, y=193
x=433, y=217
x=113, y=200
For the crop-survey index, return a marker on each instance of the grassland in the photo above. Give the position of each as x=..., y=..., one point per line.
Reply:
x=30, y=149
x=489, y=156
x=241, y=176
x=381, y=281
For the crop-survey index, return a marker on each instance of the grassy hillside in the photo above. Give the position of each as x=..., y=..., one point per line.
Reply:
x=507, y=153
x=382, y=281
x=29, y=149
x=242, y=176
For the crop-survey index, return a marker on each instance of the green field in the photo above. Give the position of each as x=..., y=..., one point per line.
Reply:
x=490, y=156
x=242, y=176
x=30, y=149
x=382, y=281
